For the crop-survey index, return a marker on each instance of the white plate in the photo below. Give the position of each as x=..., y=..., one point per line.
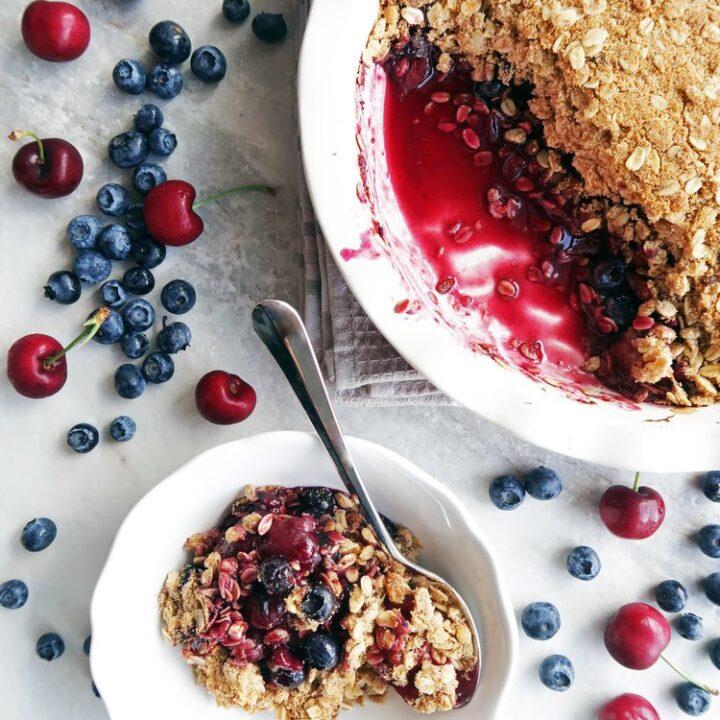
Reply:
x=140, y=676
x=649, y=438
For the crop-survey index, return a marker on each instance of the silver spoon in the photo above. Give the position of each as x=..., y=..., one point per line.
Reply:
x=281, y=329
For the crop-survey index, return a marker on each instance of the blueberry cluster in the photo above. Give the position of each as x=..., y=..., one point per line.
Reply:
x=507, y=492
x=268, y=27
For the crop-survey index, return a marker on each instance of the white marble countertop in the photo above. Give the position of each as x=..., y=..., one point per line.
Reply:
x=244, y=130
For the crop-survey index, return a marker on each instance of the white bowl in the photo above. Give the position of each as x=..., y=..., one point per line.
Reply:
x=647, y=438
x=140, y=676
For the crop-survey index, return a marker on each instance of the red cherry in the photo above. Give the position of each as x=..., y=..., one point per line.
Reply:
x=49, y=167
x=223, y=398
x=26, y=367
x=169, y=215
x=56, y=31
x=293, y=538
x=637, y=635
x=633, y=513
x=628, y=707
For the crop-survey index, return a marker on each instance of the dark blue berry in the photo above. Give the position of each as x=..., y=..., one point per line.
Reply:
x=138, y=315
x=269, y=27
x=38, y=534
x=158, y=367
x=162, y=142
x=82, y=231
x=236, y=11
x=129, y=382
x=621, y=309
x=13, y=594
x=507, y=492
x=692, y=700
x=178, y=297
x=287, y=678
x=92, y=267
x=130, y=76
x=543, y=484
x=608, y=273
x=50, y=646
x=112, y=199
x=128, y=149
x=134, y=345
x=540, y=620
x=148, y=118
x=583, y=563
x=170, y=42
x=86, y=644
x=322, y=651
x=557, y=673
x=671, y=596
x=489, y=89
x=147, y=176
x=174, y=337
x=317, y=500
x=208, y=64
x=714, y=652
x=83, y=437
x=134, y=219
x=111, y=330
x=63, y=287
x=276, y=575
x=711, y=585
x=148, y=253
x=113, y=294
x=319, y=603
x=139, y=281
x=166, y=81
x=711, y=485
x=689, y=626
x=114, y=242
x=123, y=428
x=708, y=540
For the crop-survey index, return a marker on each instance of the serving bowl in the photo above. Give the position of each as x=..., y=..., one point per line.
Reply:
x=336, y=111
x=140, y=676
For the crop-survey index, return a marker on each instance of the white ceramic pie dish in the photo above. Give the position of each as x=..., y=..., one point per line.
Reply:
x=140, y=676
x=648, y=438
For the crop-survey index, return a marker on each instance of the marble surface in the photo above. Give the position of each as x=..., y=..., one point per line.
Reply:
x=244, y=130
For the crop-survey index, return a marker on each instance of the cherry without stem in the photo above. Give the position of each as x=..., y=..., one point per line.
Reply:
x=55, y=31
x=628, y=707
x=224, y=398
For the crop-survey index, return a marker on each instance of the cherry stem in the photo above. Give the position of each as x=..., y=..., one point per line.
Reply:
x=18, y=134
x=636, y=485
x=234, y=191
x=90, y=327
x=706, y=688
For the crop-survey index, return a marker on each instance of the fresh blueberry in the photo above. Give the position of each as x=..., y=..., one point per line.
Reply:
x=208, y=64
x=139, y=281
x=13, y=594
x=692, y=700
x=236, y=11
x=319, y=603
x=170, y=42
x=129, y=382
x=38, y=534
x=557, y=673
x=148, y=253
x=86, y=644
x=711, y=585
x=162, y=142
x=113, y=294
x=540, y=620
x=543, y=484
x=92, y=267
x=128, y=149
x=166, y=81
x=621, y=309
x=689, y=626
x=507, y=492
x=134, y=345
x=130, y=76
x=318, y=500
x=114, y=242
x=83, y=437
x=134, y=219
x=174, y=337
x=147, y=176
x=82, y=231
x=123, y=428
x=276, y=575
x=269, y=28
x=288, y=678
x=63, y=287
x=148, y=118
x=322, y=651
x=708, y=540
x=111, y=330
x=608, y=273
x=178, y=297
x=714, y=652
x=583, y=563
x=711, y=485
x=113, y=199
x=158, y=367
x=138, y=315
x=671, y=596
x=50, y=646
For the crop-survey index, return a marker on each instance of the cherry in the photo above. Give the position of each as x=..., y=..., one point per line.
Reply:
x=56, y=31
x=265, y=611
x=628, y=707
x=223, y=398
x=632, y=513
x=293, y=538
x=49, y=167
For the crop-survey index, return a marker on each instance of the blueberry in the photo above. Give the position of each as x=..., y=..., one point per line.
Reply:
x=158, y=367
x=608, y=273
x=113, y=294
x=146, y=176
x=692, y=700
x=318, y=500
x=148, y=253
x=129, y=382
x=82, y=231
x=162, y=142
x=269, y=28
x=711, y=585
x=123, y=428
x=319, y=603
x=86, y=644
x=489, y=89
x=540, y=621
x=112, y=199
x=583, y=563
x=166, y=81
x=50, y=646
x=708, y=540
x=134, y=344
x=178, y=297
x=621, y=309
x=63, y=287
x=507, y=492
x=13, y=594
x=170, y=42
x=689, y=626
x=134, y=218
x=322, y=651
x=92, y=267
x=711, y=485
x=557, y=673
x=82, y=438
x=174, y=337
x=114, y=242
x=148, y=118
x=38, y=534
x=128, y=149
x=276, y=575
x=208, y=64
x=543, y=484
x=236, y=11
x=714, y=652
x=287, y=678
x=671, y=596
x=138, y=315
x=111, y=330
x=130, y=76
x=139, y=281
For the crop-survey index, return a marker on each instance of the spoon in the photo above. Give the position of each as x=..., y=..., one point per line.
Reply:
x=282, y=331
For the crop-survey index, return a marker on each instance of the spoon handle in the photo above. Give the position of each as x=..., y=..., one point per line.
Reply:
x=282, y=331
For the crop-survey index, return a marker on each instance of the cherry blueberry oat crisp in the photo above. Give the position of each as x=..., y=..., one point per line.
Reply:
x=290, y=604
